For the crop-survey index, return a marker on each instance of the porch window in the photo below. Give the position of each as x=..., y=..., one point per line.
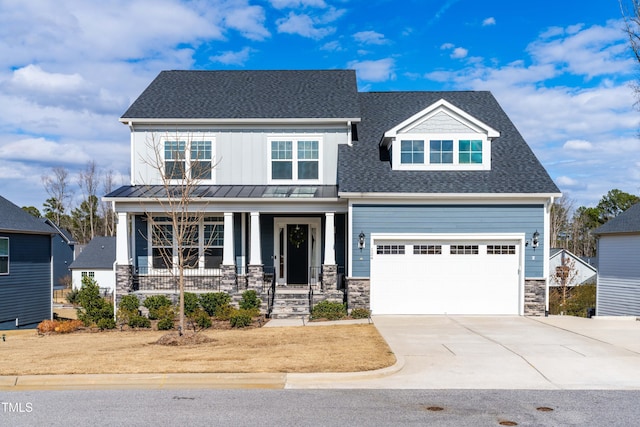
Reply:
x=201, y=241
x=294, y=159
x=4, y=255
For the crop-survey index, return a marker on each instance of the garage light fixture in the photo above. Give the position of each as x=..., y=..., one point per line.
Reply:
x=534, y=240
x=361, y=237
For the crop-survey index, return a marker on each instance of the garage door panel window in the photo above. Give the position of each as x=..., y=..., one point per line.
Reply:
x=464, y=250
x=427, y=249
x=501, y=249
x=390, y=250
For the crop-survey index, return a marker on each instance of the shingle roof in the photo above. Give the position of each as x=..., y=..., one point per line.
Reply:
x=12, y=218
x=248, y=95
x=514, y=167
x=627, y=222
x=100, y=253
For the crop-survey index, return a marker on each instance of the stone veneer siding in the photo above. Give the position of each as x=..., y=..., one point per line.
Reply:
x=535, y=303
x=330, y=277
x=255, y=278
x=124, y=281
x=358, y=293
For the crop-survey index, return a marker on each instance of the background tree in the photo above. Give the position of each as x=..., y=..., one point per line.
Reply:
x=82, y=218
x=614, y=203
x=108, y=215
x=560, y=224
x=57, y=187
x=32, y=210
x=88, y=181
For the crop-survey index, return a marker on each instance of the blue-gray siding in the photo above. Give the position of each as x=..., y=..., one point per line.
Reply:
x=448, y=219
x=25, y=293
x=618, y=290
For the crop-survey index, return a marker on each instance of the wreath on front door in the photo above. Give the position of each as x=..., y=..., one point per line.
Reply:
x=297, y=237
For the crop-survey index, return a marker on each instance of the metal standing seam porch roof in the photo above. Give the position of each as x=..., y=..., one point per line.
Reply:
x=230, y=191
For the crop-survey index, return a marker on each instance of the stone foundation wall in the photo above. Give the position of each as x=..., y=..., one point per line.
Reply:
x=534, y=297
x=124, y=281
x=330, y=277
x=358, y=293
x=255, y=278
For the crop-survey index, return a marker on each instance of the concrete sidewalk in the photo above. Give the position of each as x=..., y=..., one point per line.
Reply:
x=435, y=352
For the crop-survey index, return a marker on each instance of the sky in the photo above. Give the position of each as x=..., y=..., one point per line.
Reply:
x=562, y=70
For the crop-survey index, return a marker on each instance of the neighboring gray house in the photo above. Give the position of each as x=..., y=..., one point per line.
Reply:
x=96, y=261
x=425, y=202
x=618, y=289
x=584, y=272
x=26, y=285
x=63, y=249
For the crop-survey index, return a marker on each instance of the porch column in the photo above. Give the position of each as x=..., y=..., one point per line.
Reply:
x=254, y=244
x=329, y=268
x=122, y=239
x=329, y=239
x=228, y=248
x=255, y=278
x=228, y=267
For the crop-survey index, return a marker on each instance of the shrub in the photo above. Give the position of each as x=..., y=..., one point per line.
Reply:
x=200, y=319
x=137, y=321
x=94, y=307
x=330, y=310
x=225, y=312
x=155, y=303
x=130, y=303
x=106, y=323
x=165, y=324
x=241, y=318
x=360, y=313
x=64, y=327
x=72, y=296
x=191, y=303
x=250, y=300
x=579, y=299
x=212, y=301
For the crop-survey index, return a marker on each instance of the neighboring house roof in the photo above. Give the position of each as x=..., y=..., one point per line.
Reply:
x=557, y=252
x=231, y=191
x=364, y=168
x=65, y=234
x=100, y=253
x=265, y=94
x=627, y=222
x=14, y=219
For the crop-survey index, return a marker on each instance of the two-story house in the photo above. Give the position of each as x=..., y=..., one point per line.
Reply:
x=402, y=202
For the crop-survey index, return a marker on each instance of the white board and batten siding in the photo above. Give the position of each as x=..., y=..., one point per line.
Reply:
x=618, y=290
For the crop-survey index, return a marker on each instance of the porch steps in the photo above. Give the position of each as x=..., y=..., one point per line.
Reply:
x=290, y=303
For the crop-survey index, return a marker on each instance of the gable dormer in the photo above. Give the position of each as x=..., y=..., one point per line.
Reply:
x=440, y=137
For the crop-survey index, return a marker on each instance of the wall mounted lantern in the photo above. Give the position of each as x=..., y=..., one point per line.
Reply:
x=534, y=240
x=361, y=237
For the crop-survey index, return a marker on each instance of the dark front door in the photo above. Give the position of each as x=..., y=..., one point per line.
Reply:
x=297, y=253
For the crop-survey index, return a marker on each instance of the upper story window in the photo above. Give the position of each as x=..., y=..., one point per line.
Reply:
x=470, y=151
x=294, y=159
x=440, y=151
x=411, y=152
x=4, y=255
x=187, y=159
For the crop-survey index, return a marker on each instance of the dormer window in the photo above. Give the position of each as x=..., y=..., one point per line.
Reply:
x=441, y=137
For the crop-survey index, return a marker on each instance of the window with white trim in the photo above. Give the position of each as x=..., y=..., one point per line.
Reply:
x=4, y=255
x=441, y=152
x=202, y=242
x=294, y=159
x=412, y=151
x=185, y=159
x=91, y=274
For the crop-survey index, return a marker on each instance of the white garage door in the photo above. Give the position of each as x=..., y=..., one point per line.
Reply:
x=445, y=277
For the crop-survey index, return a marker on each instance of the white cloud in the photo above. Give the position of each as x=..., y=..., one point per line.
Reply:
x=233, y=58
x=332, y=46
x=33, y=78
x=42, y=151
x=302, y=25
x=249, y=21
x=578, y=145
x=459, y=53
x=447, y=46
x=370, y=37
x=566, y=181
x=489, y=21
x=374, y=71
x=291, y=4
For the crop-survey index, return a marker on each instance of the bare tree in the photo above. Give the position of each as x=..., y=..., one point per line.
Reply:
x=108, y=214
x=560, y=224
x=181, y=162
x=564, y=277
x=57, y=187
x=88, y=181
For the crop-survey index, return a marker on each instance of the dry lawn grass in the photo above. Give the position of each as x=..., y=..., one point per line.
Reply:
x=335, y=348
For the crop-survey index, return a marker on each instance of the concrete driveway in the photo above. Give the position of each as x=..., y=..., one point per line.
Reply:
x=457, y=352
